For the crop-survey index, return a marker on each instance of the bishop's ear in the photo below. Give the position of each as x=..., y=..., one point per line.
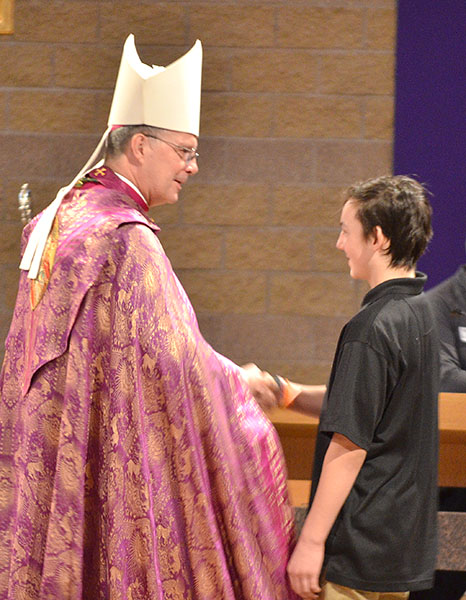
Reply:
x=137, y=147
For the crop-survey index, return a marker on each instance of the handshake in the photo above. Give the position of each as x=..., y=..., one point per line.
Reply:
x=270, y=391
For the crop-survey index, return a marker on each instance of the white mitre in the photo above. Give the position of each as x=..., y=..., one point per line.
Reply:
x=169, y=98
x=166, y=97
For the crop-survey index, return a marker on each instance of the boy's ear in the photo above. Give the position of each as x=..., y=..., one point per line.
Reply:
x=380, y=240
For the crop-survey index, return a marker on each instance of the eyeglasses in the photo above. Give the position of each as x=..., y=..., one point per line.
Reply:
x=187, y=154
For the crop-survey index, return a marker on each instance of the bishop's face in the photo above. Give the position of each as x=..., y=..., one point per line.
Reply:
x=166, y=166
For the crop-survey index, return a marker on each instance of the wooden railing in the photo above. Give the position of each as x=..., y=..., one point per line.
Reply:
x=298, y=432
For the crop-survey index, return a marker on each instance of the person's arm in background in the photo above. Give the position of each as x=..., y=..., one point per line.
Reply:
x=452, y=373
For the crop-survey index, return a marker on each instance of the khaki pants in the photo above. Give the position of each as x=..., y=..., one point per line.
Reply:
x=333, y=591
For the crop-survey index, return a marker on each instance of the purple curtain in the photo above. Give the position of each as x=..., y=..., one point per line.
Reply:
x=430, y=118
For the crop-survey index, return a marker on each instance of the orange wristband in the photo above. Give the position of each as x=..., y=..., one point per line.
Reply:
x=287, y=397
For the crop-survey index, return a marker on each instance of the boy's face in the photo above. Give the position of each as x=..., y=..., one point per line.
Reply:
x=359, y=250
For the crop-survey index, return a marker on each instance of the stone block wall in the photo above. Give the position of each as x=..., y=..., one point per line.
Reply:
x=297, y=103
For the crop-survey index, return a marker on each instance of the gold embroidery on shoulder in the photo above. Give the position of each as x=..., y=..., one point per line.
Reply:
x=39, y=285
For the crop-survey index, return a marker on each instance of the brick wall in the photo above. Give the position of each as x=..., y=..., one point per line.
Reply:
x=297, y=103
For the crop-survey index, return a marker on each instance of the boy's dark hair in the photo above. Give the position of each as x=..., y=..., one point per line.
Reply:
x=399, y=205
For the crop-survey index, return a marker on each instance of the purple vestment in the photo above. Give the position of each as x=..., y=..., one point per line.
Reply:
x=135, y=465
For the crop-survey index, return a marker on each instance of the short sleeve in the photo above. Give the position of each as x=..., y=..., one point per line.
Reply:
x=357, y=394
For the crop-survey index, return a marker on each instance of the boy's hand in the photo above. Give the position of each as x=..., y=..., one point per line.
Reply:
x=304, y=568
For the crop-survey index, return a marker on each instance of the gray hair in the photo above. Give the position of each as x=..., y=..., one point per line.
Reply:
x=118, y=139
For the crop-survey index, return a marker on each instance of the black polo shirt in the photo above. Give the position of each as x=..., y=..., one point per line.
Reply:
x=382, y=395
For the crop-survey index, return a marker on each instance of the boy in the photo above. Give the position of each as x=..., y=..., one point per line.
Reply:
x=371, y=528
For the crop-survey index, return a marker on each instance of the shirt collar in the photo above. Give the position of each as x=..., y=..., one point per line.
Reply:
x=406, y=286
x=461, y=276
x=112, y=180
x=131, y=185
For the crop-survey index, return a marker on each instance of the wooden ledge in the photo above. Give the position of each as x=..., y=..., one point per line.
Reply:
x=298, y=433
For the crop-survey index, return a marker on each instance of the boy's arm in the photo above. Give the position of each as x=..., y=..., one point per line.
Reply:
x=268, y=390
x=308, y=399
x=342, y=463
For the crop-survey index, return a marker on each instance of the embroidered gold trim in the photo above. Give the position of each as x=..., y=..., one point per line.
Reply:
x=39, y=285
